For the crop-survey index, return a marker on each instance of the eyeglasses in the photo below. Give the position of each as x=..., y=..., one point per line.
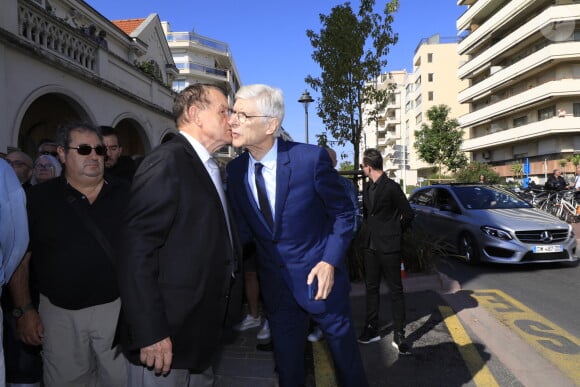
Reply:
x=112, y=147
x=17, y=163
x=43, y=166
x=243, y=117
x=84, y=149
x=55, y=154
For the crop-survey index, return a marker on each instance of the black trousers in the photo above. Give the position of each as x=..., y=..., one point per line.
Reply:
x=387, y=265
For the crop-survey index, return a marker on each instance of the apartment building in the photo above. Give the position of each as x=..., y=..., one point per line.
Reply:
x=523, y=74
x=54, y=69
x=433, y=81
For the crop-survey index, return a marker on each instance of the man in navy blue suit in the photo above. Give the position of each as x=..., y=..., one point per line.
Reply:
x=289, y=199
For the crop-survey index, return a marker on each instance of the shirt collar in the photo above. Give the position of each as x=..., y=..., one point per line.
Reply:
x=203, y=154
x=269, y=159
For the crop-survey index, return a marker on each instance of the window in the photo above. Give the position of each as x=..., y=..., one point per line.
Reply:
x=430, y=96
x=179, y=84
x=419, y=118
x=519, y=121
x=576, y=109
x=547, y=112
x=429, y=57
x=423, y=198
x=430, y=77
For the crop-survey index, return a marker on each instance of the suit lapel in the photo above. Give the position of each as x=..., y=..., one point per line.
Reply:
x=283, y=173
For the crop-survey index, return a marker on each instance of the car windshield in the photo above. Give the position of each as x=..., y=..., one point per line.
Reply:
x=486, y=198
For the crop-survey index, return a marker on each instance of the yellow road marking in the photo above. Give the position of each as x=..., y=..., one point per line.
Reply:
x=481, y=375
x=323, y=365
x=552, y=342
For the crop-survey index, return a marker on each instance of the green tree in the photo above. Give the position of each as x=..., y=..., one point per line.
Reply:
x=351, y=50
x=439, y=143
x=471, y=172
x=346, y=166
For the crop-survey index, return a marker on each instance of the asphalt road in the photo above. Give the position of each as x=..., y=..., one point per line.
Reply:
x=551, y=290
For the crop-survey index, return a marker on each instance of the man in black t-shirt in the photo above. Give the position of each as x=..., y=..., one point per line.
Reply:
x=74, y=226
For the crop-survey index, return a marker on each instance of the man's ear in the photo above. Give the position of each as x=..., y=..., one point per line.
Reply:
x=273, y=123
x=192, y=115
x=61, y=154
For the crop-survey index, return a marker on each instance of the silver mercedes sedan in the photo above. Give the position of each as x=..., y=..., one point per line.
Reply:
x=489, y=223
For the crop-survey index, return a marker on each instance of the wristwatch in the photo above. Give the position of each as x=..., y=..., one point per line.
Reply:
x=18, y=312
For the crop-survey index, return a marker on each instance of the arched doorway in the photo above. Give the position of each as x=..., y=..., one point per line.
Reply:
x=44, y=116
x=132, y=137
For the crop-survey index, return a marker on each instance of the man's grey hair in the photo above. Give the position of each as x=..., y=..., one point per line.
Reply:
x=269, y=101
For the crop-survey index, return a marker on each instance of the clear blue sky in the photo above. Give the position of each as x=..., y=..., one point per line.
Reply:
x=268, y=40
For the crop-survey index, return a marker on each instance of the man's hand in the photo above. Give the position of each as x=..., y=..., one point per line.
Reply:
x=158, y=356
x=325, y=274
x=29, y=328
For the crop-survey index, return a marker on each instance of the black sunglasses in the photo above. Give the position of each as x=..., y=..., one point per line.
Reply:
x=55, y=154
x=84, y=149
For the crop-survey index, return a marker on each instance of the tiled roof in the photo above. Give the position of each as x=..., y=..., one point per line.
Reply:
x=128, y=25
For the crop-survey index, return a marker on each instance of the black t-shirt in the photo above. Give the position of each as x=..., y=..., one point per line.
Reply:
x=68, y=263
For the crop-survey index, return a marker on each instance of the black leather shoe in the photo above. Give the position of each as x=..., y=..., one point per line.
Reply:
x=369, y=335
x=400, y=344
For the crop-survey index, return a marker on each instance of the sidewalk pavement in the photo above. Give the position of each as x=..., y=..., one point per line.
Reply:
x=240, y=364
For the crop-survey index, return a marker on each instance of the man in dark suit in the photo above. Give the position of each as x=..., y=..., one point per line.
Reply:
x=386, y=213
x=289, y=199
x=179, y=252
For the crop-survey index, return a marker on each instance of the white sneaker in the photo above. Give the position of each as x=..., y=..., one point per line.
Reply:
x=264, y=333
x=315, y=335
x=248, y=323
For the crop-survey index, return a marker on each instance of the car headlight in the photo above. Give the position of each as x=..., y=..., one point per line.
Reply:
x=497, y=233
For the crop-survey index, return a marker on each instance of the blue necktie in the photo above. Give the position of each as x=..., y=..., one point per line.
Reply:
x=263, y=195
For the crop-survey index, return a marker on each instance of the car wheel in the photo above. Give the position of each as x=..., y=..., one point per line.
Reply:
x=469, y=249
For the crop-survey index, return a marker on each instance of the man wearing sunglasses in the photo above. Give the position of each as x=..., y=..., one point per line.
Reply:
x=74, y=227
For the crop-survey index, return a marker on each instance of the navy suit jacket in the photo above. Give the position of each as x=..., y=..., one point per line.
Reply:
x=313, y=222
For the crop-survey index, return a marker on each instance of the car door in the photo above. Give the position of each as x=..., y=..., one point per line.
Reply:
x=446, y=217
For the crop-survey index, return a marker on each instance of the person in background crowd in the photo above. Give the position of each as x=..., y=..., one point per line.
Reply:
x=179, y=255
x=22, y=165
x=289, y=199
x=73, y=265
x=13, y=234
x=115, y=163
x=46, y=167
x=482, y=179
x=556, y=181
x=386, y=213
x=252, y=290
x=47, y=147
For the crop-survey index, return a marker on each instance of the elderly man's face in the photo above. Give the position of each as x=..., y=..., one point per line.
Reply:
x=250, y=132
x=21, y=166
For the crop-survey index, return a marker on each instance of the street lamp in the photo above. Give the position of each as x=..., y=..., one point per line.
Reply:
x=305, y=99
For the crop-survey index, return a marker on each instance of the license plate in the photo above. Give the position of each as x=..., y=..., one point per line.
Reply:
x=548, y=249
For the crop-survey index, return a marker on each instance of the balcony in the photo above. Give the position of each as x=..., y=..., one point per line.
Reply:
x=553, y=126
x=551, y=15
x=483, y=33
x=547, y=55
x=193, y=39
x=558, y=88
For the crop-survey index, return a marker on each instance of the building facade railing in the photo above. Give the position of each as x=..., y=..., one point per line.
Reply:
x=202, y=40
x=42, y=29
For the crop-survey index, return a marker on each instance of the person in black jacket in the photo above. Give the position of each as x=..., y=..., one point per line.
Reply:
x=386, y=213
x=556, y=182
